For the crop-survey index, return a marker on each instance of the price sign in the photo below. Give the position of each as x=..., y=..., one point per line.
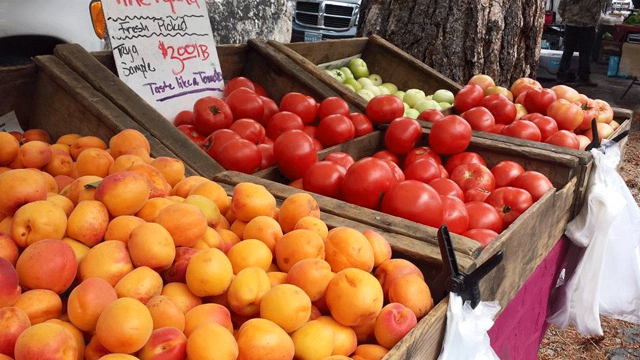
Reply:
x=165, y=51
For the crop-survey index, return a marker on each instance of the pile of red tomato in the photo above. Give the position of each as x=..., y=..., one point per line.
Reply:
x=558, y=115
x=243, y=130
x=418, y=184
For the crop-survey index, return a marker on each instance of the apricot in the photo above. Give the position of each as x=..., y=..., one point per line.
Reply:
x=87, y=301
x=63, y=202
x=36, y=134
x=77, y=335
x=60, y=163
x=238, y=227
x=88, y=222
x=46, y=341
x=141, y=284
x=207, y=206
x=141, y=153
x=63, y=180
x=171, y=168
x=213, y=191
x=120, y=227
x=47, y=264
x=108, y=260
x=229, y=238
x=312, y=276
x=247, y=289
x=77, y=186
x=314, y=340
x=8, y=250
x=262, y=339
x=94, y=161
x=298, y=245
x=345, y=340
x=159, y=186
x=80, y=250
x=125, y=162
x=207, y=314
x=165, y=343
x=37, y=221
x=392, y=269
x=210, y=239
x=114, y=356
x=354, y=297
x=185, y=222
x=178, y=270
x=124, y=326
x=52, y=185
x=83, y=143
x=364, y=332
x=94, y=350
x=393, y=322
x=286, y=305
x=370, y=351
x=265, y=229
x=151, y=245
x=248, y=253
x=250, y=200
x=13, y=321
x=34, y=154
x=9, y=147
x=380, y=245
x=346, y=247
x=314, y=224
x=180, y=294
x=165, y=313
x=212, y=341
x=19, y=187
x=411, y=291
x=127, y=139
x=209, y=273
x=68, y=139
x=40, y=305
x=123, y=193
x=294, y=208
x=184, y=186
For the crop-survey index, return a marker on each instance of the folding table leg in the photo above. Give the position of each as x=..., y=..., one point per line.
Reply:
x=634, y=81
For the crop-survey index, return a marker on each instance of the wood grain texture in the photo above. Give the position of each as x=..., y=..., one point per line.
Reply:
x=16, y=90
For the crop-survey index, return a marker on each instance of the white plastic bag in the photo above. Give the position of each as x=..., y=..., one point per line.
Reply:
x=607, y=278
x=466, y=335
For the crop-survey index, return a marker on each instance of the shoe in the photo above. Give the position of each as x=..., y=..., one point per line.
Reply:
x=587, y=83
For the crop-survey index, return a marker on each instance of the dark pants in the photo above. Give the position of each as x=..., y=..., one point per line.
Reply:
x=581, y=39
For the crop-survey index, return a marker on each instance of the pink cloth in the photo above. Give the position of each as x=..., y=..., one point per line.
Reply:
x=518, y=331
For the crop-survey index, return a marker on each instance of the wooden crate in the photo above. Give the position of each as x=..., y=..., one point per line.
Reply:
x=48, y=95
x=254, y=60
x=382, y=58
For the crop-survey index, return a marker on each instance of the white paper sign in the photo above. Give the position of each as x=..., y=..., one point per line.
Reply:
x=165, y=51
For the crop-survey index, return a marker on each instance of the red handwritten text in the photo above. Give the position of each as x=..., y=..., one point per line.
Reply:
x=143, y=3
x=183, y=53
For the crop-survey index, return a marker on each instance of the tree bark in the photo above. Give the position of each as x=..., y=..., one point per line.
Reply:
x=462, y=38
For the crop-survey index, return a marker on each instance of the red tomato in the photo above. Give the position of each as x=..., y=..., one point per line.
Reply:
x=503, y=110
x=531, y=116
x=483, y=216
x=423, y=169
x=485, y=81
x=455, y=214
x=472, y=175
x=491, y=98
x=267, y=141
x=505, y=171
x=260, y=90
x=538, y=100
x=483, y=236
x=569, y=116
x=295, y=153
x=420, y=152
x=334, y=130
x=564, y=138
x=498, y=128
x=415, y=201
x=523, y=129
x=430, y=115
x=382, y=109
x=402, y=135
x=476, y=194
x=395, y=169
x=268, y=159
x=249, y=129
x=537, y=184
x=270, y=109
x=317, y=144
x=297, y=184
x=590, y=111
x=468, y=97
x=443, y=172
x=510, y=202
x=245, y=103
x=185, y=117
x=366, y=182
x=211, y=114
x=217, y=139
x=192, y=133
x=479, y=118
x=450, y=135
x=546, y=125
x=524, y=84
x=332, y=105
x=387, y=155
x=324, y=178
x=282, y=122
x=361, y=123
x=447, y=187
x=341, y=158
x=300, y=104
x=466, y=157
x=310, y=130
x=238, y=82
x=240, y=155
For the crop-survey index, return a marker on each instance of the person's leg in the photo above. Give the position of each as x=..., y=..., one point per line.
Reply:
x=587, y=35
x=571, y=39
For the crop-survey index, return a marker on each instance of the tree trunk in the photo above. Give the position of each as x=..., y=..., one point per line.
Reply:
x=461, y=38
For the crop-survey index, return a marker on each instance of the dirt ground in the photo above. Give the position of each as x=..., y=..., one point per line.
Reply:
x=621, y=339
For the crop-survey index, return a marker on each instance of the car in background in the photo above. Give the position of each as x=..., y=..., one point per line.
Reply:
x=34, y=27
x=315, y=20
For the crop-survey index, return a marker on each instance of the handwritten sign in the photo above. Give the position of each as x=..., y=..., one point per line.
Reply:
x=165, y=51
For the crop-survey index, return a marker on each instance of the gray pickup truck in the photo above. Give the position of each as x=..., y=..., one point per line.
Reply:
x=315, y=20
